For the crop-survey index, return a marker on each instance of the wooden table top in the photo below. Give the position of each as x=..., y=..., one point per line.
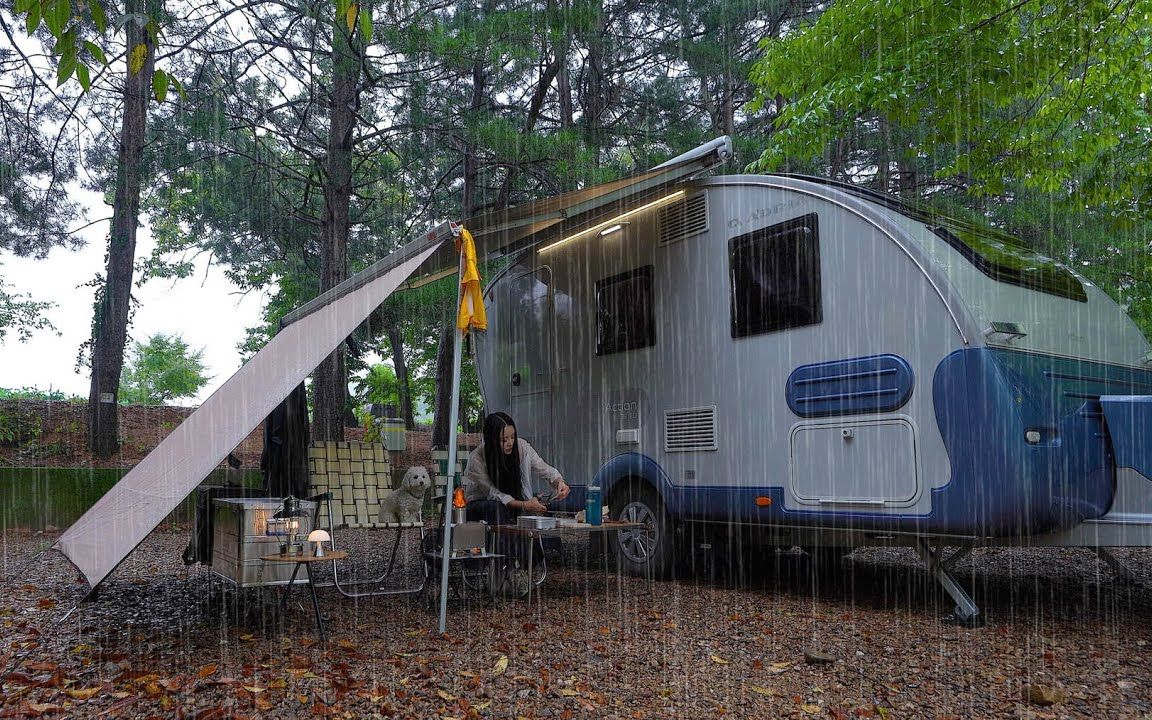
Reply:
x=306, y=557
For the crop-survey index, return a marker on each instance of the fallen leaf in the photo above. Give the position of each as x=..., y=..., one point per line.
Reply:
x=778, y=667
x=42, y=666
x=41, y=708
x=467, y=673
x=209, y=669
x=482, y=706
x=445, y=696
x=1043, y=695
x=173, y=684
x=719, y=660
x=501, y=666
x=84, y=694
x=767, y=692
x=254, y=689
x=814, y=656
x=567, y=692
x=811, y=708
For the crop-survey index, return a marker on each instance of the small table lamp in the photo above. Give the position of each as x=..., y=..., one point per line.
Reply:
x=318, y=538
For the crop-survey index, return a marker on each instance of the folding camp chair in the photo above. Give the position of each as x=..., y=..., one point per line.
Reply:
x=351, y=478
x=440, y=484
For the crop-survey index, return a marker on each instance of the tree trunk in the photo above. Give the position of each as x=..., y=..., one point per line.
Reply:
x=396, y=342
x=563, y=81
x=594, y=101
x=443, y=384
x=110, y=326
x=331, y=376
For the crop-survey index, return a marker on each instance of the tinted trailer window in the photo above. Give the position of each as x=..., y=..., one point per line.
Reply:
x=775, y=277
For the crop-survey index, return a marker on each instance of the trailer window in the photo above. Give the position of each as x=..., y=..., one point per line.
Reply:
x=1000, y=257
x=624, y=316
x=775, y=277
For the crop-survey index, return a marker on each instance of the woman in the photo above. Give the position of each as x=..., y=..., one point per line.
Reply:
x=501, y=473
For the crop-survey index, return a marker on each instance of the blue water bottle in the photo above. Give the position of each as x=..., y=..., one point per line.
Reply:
x=592, y=505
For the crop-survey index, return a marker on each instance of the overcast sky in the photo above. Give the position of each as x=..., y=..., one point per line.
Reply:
x=205, y=309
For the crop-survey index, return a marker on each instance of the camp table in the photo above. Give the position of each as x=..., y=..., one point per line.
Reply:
x=529, y=535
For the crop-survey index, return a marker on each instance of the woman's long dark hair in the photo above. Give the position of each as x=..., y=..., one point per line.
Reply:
x=503, y=470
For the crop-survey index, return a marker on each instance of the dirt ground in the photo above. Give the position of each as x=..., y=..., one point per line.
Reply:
x=1064, y=638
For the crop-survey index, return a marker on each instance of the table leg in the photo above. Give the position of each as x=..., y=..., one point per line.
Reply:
x=530, y=555
x=316, y=608
x=288, y=589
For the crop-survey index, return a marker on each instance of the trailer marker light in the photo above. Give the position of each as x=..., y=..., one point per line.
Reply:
x=763, y=501
x=1032, y=437
x=609, y=223
x=614, y=228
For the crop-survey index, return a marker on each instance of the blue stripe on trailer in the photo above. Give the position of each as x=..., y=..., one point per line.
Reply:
x=1129, y=420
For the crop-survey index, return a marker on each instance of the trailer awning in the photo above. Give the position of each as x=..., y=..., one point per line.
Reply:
x=120, y=520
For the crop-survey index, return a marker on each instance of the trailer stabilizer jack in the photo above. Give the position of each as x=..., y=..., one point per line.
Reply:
x=966, y=613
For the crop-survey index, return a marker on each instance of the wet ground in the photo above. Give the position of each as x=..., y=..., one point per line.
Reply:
x=865, y=638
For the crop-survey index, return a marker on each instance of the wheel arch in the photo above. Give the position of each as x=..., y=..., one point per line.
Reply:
x=636, y=469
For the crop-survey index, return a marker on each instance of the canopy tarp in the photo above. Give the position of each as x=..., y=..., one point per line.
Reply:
x=115, y=525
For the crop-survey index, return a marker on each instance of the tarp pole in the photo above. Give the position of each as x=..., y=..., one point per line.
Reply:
x=450, y=469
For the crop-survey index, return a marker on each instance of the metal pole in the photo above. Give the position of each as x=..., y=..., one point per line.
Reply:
x=450, y=469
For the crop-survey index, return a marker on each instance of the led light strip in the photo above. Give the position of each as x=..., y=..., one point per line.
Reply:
x=613, y=221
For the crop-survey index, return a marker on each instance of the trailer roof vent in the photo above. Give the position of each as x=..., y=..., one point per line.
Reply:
x=683, y=219
x=690, y=429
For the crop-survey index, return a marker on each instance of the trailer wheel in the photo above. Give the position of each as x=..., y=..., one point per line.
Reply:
x=642, y=552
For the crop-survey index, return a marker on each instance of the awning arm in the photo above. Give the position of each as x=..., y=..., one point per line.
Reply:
x=684, y=166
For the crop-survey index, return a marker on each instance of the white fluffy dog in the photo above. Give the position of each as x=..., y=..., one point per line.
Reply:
x=403, y=504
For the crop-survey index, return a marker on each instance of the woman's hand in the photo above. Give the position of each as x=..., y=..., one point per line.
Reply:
x=533, y=505
x=562, y=490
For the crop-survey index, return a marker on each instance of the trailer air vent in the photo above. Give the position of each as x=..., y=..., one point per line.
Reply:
x=683, y=219
x=690, y=429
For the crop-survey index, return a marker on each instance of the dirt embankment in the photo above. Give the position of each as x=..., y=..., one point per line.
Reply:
x=37, y=433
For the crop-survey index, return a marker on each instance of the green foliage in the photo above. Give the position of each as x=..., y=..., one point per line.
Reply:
x=34, y=393
x=18, y=426
x=22, y=315
x=998, y=94
x=379, y=387
x=163, y=370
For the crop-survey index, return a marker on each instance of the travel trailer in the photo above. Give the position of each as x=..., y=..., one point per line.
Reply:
x=824, y=367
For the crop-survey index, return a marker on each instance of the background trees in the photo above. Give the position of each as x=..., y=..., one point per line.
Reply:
x=305, y=140
x=1031, y=115
x=162, y=370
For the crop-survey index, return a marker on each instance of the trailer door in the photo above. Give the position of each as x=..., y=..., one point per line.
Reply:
x=527, y=304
